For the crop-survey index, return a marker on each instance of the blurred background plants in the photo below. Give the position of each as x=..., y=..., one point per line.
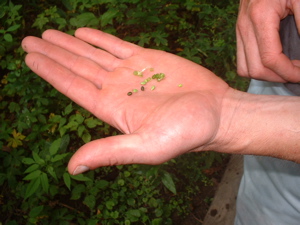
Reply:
x=40, y=128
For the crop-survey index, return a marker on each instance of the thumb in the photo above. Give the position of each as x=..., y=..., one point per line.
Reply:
x=114, y=150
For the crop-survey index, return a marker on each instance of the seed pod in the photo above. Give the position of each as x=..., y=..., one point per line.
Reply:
x=129, y=93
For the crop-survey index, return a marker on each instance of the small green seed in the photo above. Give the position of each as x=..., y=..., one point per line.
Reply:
x=135, y=90
x=179, y=85
x=143, y=83
x=129, y=93
x=152, y=88
x=138, y=73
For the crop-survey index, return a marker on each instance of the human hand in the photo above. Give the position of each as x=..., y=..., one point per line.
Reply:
x=259, y=50
x=157, y=124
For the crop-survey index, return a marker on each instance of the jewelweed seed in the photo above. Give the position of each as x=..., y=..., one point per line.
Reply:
x=129, y=93
x=138, y=73
x=143, y=88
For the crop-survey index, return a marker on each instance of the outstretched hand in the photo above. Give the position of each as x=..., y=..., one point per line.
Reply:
x=259, y=50
x=158, y=124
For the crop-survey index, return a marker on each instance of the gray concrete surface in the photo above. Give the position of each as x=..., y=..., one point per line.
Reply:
x=222, y=209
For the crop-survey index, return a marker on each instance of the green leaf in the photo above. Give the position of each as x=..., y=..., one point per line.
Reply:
x=68, y=109
x=32, y=168
x=80, y=177
x=167, y=180
x=92, y=222
x=40, y=21
x=33, y=175
x=90, y=201
x=102, y=184
x=37, y=158
x=54, y=146
x=92, y=122
x=114, y=214
x=80, y=130
x=59, y=157
x=108, y=16
x=51, y=171
x=79, y=118
x=13, y=28
x=157, y=221
x=77, y=191
x=65, y=140
x=28, y=161
x=84, y=19
x=67, y=180
x=86, y=137
x=8, y=37
x=35, y=212
x=32, y=187
x=134, y=213
x=45, y=182
x=110, y=204
x=131, y=201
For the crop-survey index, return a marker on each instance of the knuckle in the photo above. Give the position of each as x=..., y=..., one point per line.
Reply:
x=269, y=60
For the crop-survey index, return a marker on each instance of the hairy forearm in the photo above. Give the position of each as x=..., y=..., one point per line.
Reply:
x=260, y=125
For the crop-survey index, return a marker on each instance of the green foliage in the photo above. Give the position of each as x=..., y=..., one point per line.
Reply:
x=40, y=128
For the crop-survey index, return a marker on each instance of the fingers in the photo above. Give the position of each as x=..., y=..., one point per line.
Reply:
x=110, y=43
x=80, y=90
x=116, y=150
x=105, y=59
x=266, y=28
x=249, y=58
x=81, y=66
x=259, y=48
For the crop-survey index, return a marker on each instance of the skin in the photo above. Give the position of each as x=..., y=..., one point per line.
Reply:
x=259, y=50
x=204, y=115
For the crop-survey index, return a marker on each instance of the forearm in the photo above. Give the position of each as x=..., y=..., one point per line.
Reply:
x=260, y=125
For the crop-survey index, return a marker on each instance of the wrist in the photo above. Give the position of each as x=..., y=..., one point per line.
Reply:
x=259, y=125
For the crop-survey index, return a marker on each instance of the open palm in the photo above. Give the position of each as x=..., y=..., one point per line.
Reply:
x=157, y=124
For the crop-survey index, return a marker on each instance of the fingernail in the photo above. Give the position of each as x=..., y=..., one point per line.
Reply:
x=80, y=169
